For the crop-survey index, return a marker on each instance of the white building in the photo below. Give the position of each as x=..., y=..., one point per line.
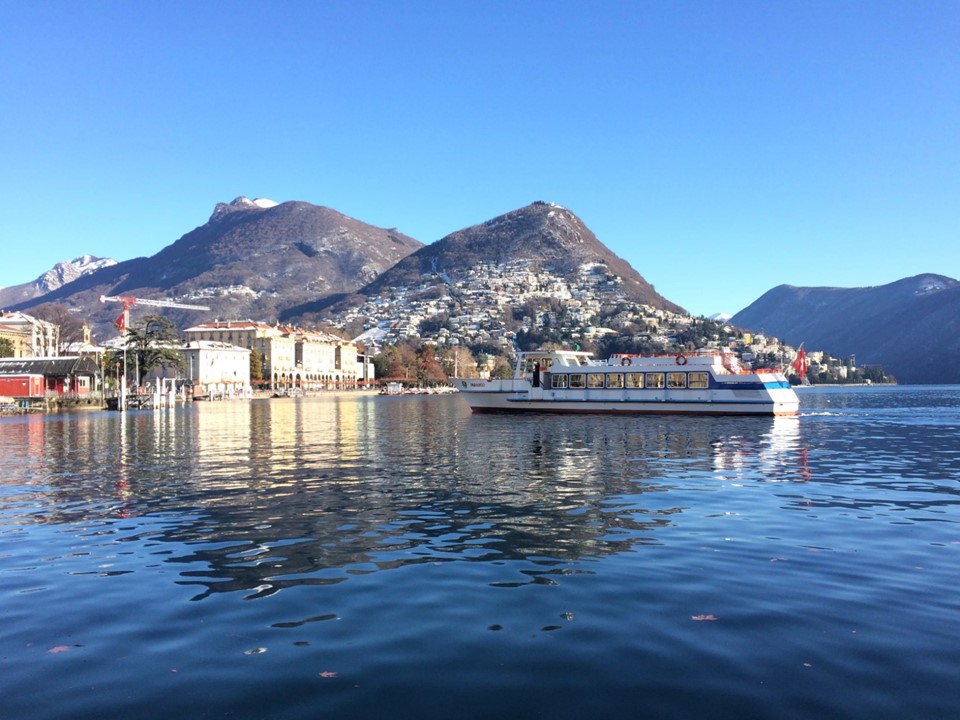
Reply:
x=217, y=369
x=30, y=336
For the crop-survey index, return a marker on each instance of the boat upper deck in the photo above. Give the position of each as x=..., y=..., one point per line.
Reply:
x=568, y=361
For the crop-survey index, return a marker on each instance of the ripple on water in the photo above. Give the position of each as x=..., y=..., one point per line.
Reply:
x=379, y=558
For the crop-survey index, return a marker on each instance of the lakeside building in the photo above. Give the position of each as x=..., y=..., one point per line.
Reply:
x=291, y=358
x=35, y=377
x=217, y=369
x=30, y=336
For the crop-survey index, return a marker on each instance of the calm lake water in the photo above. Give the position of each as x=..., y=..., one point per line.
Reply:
x=398, y=557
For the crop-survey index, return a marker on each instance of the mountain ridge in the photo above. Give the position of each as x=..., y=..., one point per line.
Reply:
x=248, y=260
x=881, y=325
x=548, y=234
x=62, y=273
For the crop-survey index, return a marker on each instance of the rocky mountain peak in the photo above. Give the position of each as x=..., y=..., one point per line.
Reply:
x=53, y=279
x=546, y=236
x=241, y=203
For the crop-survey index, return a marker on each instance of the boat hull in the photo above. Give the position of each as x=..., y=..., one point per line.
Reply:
x=496, y=402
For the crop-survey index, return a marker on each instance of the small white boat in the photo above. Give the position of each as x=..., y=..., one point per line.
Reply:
x=567, y=381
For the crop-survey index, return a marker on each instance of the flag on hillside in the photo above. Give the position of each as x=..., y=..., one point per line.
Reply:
x=121, y=323
x=800, y=363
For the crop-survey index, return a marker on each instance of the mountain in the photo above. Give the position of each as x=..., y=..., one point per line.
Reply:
x=549, y=236
x=251, y=259
x=911, y=327
x=56, y=277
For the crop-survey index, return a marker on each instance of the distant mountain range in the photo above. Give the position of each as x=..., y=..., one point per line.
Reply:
x=296, y=262
x=911, y=327
x=53, y=279
x=549, y=236
x=251, y=259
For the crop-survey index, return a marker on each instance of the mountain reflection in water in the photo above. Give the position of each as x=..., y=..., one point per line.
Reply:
x=260, y=496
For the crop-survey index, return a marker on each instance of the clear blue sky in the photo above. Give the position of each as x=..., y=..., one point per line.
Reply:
x=722, y=148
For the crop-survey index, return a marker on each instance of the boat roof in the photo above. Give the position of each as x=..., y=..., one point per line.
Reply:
x=719, y=361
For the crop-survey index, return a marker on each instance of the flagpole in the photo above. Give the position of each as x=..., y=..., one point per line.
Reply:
x=123, y=382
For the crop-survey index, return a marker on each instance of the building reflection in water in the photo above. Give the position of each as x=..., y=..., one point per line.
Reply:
x=256, y=496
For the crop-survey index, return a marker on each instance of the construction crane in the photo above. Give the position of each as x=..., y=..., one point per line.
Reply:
x=122, y=322
x=129, y=302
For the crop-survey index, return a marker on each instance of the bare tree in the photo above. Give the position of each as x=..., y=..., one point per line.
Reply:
x=71, y=326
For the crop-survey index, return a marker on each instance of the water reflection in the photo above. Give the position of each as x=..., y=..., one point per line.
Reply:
x=259, y=496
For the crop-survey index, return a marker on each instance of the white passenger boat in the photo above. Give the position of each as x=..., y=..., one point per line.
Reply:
x=567, y=381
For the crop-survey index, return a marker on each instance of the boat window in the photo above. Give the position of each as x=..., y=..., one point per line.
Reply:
x=595, y=380
x=699, y=380
x=558, y=381
x=577, y=380
x=676, y=380
x=654, y=380
x=615, y=380
x=634, y=380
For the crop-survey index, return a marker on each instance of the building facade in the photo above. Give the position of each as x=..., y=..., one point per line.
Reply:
x=217, y=369
x=290, y=357
x=29, y=336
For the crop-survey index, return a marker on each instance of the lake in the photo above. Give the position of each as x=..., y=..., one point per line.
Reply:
x=357, y=556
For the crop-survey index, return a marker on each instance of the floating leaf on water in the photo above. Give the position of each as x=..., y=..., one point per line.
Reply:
x=495, y=628
x=255, y=651
x=703, y=617
x=59, y=649
x=567, y=615
x=549, y=628
x=328, y=674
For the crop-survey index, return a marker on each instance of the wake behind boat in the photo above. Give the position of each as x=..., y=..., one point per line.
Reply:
x=568, y=381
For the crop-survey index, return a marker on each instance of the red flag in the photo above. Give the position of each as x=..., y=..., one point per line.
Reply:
x=800, y=364
x=121, y=323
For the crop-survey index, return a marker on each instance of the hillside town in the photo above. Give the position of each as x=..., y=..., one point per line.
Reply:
x=415, y=335
x=496, y=309
x=412, y=336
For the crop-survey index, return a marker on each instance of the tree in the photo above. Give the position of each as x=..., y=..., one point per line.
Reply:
x=6, y=348
x=154, y=342
x=256, y=366
x=502, y=369
x=70, y=326
x=397, y=362
x=429, y=371
x=458, y=361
